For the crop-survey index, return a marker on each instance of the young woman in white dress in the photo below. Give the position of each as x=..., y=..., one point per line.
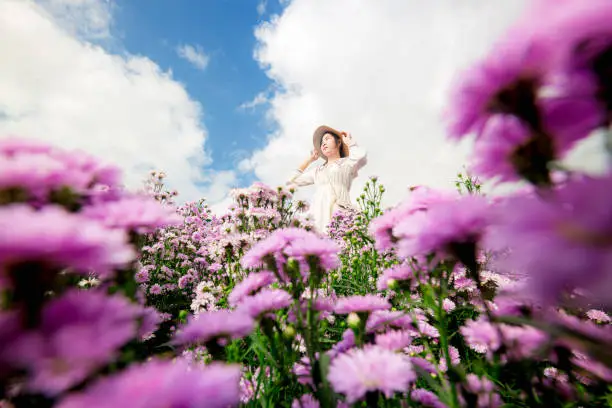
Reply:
x=333, y=179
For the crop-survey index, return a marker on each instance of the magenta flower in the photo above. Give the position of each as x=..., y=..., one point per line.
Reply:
x=373, y=368
x=382, y=319
x=160, y=384
x=361, y=304
x=347, y=342
x=451, y=227
x=79, y=333
x=420, y=199
x=394, y=340
x=306, y=401
x=481, y=336
x=40, y=169
x=426, y=398
x=598, y=316
x=266, y=301
x=139, y=214
x=213, y=325
x=504, y=83
x=250, y=285
x=297, y=243
x=272, y=247
x=323, y=249
x=484, y=389
x=575, y=223
x=396, y=273
x=59, y=239
x=584, y=45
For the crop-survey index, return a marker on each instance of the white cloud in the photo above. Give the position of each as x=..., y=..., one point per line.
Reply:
x=86, y=18
x=261, y=7
x=379, y=69
x=259, y=99
x=123, y=109
x=194, y=54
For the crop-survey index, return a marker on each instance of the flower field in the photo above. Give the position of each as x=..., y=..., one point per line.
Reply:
x=451, y=298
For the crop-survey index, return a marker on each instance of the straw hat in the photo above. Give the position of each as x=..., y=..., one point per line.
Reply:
x=317, y=137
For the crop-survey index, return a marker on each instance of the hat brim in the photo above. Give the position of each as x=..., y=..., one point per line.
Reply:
x=317, y=137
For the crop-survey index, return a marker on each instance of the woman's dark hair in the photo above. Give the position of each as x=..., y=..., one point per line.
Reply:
x=338, y=141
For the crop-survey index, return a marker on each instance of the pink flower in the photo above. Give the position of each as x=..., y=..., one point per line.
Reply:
x=208, y=326
x=79, y=333
x=373, y=368
x=446, y=227
x=139, y=214
x=267, y=300
x=598, y=316
x=251, y=284
x=365, y=303
x=160, y=384
x=59, y=239
x=394, y=340
x=398, y=273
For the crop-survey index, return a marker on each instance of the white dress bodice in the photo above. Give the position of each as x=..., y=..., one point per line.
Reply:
x=333, y=185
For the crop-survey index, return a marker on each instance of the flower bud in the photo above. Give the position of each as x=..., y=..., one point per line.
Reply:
x=289, y=332
x=392, y=284
x=353, y=320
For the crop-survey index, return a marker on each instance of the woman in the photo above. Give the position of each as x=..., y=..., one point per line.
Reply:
x=333, y=179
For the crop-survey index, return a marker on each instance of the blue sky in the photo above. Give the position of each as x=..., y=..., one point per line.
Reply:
x=224, y=29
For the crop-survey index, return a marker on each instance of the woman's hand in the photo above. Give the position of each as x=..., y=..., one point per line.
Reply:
x=347, y=138
x=314, y=156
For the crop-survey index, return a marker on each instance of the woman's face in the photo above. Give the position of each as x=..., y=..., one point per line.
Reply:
x=328, y=144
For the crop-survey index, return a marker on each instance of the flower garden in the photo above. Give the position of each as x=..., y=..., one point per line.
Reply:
x=451, y=298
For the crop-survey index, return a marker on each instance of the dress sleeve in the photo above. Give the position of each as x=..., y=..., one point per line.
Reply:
x=357, y=157
x=302, y=178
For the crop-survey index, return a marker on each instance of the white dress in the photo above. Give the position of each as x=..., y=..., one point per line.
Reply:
x=333, y=185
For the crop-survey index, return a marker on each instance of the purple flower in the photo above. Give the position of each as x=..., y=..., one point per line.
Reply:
x=425, y=365
x=273, y=247
x=373, y=368
x=536, y=116
x=585, y=43
x=292, y=242
x=504, y=83
x=381, y=319
x=420, y=199
x=142, y=276
x=213, y=325
x=426, y=398
x=363, y=304
x=454, y=357
x=159, y=384
x=40, y=169
x=394, y=340
x=251, y=284
x=397, y=273
x=447, y=226
x=267, y=300
x=574, y=222
x=484, y=389
x=79, y=333
x=59, y=239
x=140, y=214
x=598, y=316
x=155, y=289
x=302, y=370
x=305, y=401
x=311, y=246
x=481, y=336
x=347, y=342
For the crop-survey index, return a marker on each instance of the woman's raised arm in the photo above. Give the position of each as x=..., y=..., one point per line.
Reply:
x=357, y=155
x=301, y=177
